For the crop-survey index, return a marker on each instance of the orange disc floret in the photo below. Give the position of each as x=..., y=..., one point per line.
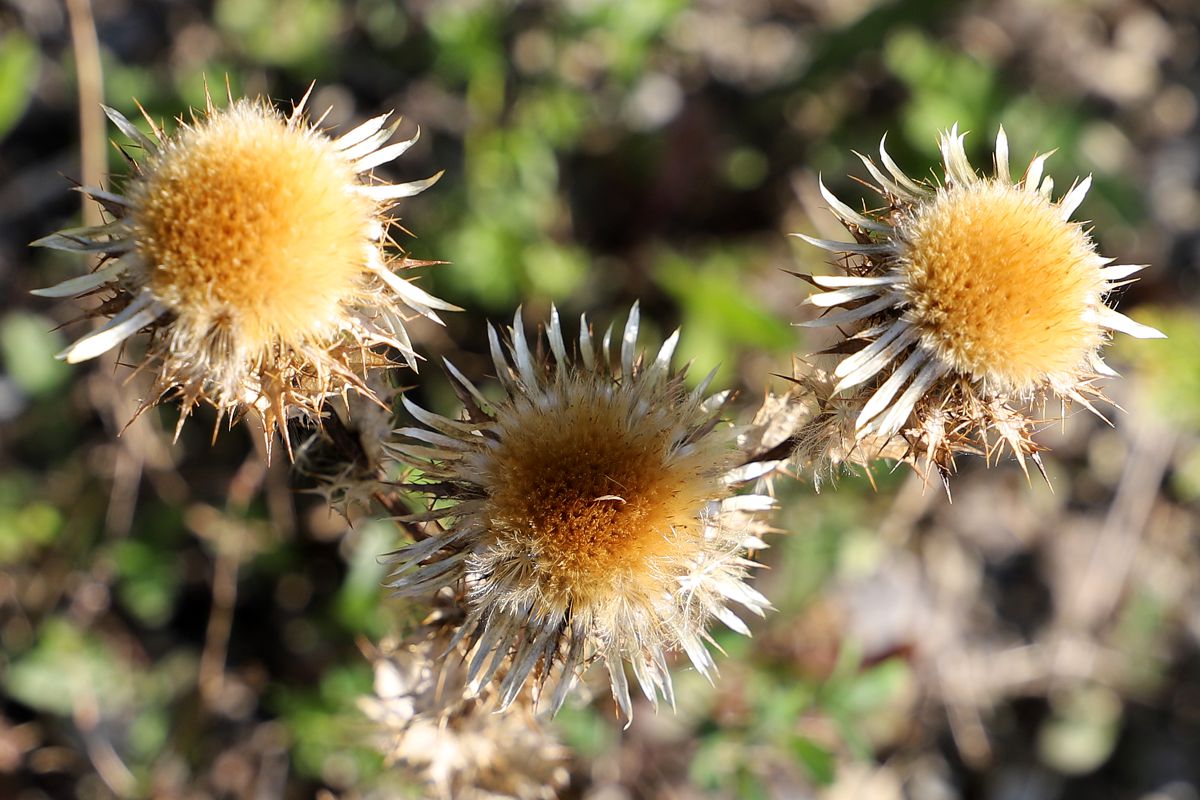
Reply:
x=595, y=494
x=249, y=222
x=1000, y=285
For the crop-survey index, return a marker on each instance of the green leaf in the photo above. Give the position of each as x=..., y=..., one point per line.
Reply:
x=816, y=759
x=19, y=64
x=28, y=344
x=329, y=740
x=1167, y=370
x=583, y=731
x=150, y=577
x=721, y=318
x=1082, y=732
x=874, y=687
x=554, y=270
x=947, y=87
x=358, y=606
x=26, y=524
x=288, y=32
x=65, y=668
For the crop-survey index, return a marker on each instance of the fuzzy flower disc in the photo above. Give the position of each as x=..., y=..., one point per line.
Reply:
x=255, y=249
x=588, y=514
x=963, y=303
x=592, y=496
x=1000, y=286
x=248, y=219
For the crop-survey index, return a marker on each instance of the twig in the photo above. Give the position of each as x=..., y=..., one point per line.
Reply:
x=109, y=766
x=89, y=73
x=229, y=546
x=1113, y=553
x=211, y=676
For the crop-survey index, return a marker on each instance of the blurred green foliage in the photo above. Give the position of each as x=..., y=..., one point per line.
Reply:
x=945, y=85
x=292, y=33
x=72, y=673
x=19, y=62
x=359, y=606
x=560, y=187
x=149, y=576
x=26, y=523
x=331, y=740
x=720, y=320
x=1169, y=372
x=27, y=348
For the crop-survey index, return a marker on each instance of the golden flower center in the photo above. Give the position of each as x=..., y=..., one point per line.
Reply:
x=250, y=227
x=593, y=494
x=1000, y=285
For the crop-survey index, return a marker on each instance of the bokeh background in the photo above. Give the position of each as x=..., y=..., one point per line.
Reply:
x=179, y=620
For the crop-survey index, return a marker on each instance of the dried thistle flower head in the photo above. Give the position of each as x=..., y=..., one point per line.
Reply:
x=342, y=458
x=451, y=738
x=254, y=248
x=592, y=514
x=968, y=302
x=827, y=442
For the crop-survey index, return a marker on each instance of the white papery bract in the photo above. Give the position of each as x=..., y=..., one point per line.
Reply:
x=589, y=513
